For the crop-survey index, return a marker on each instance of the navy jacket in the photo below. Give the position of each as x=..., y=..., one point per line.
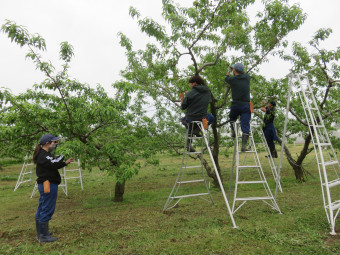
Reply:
x=240, y=88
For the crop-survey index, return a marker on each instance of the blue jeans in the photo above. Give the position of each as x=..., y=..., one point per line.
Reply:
x=47, y=202
x=244, y=112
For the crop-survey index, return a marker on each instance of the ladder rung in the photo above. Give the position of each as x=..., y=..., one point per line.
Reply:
x=319, y=126
x=324, y=144
x=72, y=170
x=193, y=138
x=26, y=173
x=192, y=181
x=186, y=167
x=253, y=198
x=196, y=152
x=250, y=182
x=330, y=163
x=248, y=166
x=335, y=205
x=246, y=151
x=313, y=108
x=191, y=195
x=333, y=183
x=68, y=178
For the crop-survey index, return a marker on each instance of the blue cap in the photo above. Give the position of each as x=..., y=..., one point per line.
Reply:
x=48, y=138
x=238, y=67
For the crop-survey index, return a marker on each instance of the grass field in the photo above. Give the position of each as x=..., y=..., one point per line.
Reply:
x=88, y=222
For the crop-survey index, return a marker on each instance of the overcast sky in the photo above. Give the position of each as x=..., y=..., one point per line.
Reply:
x=91, y=26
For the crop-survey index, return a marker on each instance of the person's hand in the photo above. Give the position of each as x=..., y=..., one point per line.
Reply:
x=263, y=102
x=70, y=160
x=263, y=109
x=181, y=96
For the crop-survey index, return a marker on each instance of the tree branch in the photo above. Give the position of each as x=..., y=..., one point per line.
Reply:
x=298, y=118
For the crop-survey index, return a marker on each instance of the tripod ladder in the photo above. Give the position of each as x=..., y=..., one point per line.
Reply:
x=327, y=162
x=272, y=165
x=186, y=167
x=25, y=173
x=251, y=167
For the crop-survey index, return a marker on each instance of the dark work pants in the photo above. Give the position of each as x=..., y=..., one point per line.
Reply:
x=47, y=202
x=270, y=135
x=245, y=115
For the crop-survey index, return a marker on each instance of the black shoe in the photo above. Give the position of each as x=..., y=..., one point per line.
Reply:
x=44, y=234
x=245, y=138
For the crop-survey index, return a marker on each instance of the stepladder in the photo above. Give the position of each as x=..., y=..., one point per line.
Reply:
x=326, y=157
x=271, y=163
x=191, y=180
x=72, y=171
x=26, y=172
x=250, y=181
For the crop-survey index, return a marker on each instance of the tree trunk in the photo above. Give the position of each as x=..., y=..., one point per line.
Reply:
x=119, y=191
x=210, y=172
x=300, y=174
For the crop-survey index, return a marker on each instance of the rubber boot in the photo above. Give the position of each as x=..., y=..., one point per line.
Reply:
x=233, y=134
x=37, y=227
x=245, y=138
x=189, y=147
x=44, y=236
x=274, y=153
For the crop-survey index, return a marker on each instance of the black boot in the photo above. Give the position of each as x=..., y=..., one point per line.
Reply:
x=274, y=153
x=189, y=147
x=37, y=227
x=44, y=234
x=245, y=138
x=233, y=134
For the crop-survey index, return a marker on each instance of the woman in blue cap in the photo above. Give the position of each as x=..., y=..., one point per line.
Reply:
x=48, y=181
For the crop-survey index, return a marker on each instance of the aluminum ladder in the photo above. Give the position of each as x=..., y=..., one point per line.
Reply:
x=186, y=167
x=272, y=165
x=26, y=170
x=327, y=162
x=64, y=177
x=244, y=167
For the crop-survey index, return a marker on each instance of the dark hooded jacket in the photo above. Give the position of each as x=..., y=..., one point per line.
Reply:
x=196, y=102
x=240, y=89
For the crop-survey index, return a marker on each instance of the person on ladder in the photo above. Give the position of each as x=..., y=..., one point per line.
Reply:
x=269, y=129
x=48, y=181
x=240, y=105
x=196, y=103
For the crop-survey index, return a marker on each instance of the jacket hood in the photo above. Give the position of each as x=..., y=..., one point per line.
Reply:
x=201, y=88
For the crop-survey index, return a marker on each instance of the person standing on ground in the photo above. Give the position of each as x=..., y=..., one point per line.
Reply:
x=240, y=105
x=48, y=181
x=269, y=129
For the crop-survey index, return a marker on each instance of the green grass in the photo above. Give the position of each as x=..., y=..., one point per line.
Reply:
x=88, y=222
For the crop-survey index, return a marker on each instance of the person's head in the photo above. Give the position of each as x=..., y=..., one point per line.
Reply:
x=196, y=80
x=238, y=68
x=48, y=143
x=271, y=104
